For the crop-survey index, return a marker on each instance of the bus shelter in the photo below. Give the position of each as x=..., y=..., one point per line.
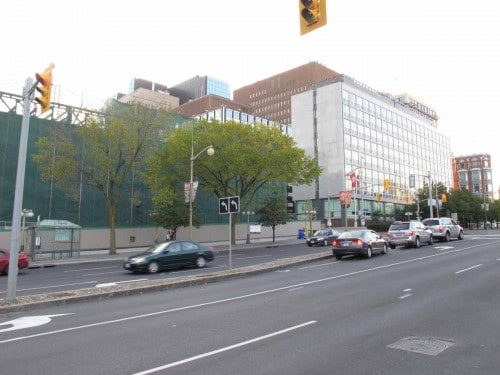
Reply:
x=53, y=239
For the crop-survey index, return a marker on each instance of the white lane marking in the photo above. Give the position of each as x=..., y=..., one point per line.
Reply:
x=237, y=298
x=467, y=269
x=404, y=296
x=28, y=322
x=294, y=289
x=54, y=286
x=89, y=269
x=119, y=282
x=102, y=273
x=225, y=349
x=443, y=247
x=407, y=290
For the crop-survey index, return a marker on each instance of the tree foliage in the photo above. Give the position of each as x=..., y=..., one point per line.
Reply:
x=101, y=153
x=247, y=157
x=272, y=212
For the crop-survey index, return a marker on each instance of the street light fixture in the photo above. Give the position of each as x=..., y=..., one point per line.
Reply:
x=210, y=151
x=248, y=213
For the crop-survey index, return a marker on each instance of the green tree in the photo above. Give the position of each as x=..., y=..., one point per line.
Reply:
x=247, y=157
x=272, y=213
x=102, y=153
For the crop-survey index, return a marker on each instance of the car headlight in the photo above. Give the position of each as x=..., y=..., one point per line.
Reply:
x=138, y=260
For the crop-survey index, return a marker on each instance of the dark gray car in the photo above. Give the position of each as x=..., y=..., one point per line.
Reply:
x=322, y=237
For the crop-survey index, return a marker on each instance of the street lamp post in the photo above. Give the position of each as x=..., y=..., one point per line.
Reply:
x=210, y=151
x=248, y=213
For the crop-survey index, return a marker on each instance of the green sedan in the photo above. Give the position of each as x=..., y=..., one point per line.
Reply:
x=171, y=254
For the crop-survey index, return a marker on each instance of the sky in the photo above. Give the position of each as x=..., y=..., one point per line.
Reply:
x=445, y=53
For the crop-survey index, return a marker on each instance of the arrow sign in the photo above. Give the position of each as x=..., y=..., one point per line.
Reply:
x=223, y=205
x=234, y=204
x=27, y=322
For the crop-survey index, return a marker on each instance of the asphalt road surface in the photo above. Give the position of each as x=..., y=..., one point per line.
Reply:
x=433, y=310
x=88, y=275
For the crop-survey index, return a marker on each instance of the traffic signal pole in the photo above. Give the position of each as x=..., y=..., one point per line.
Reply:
x=28, y=90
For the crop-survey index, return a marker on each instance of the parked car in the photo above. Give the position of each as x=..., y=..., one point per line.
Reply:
x=444, y=228
x=171, y=254
x=22, y=261
x=323, y=237
x=359, y=242
x=409, y=234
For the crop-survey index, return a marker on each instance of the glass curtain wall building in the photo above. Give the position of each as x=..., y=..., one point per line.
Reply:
x=368, y=144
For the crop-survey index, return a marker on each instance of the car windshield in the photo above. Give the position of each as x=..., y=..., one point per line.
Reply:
x=430, y=222
x=156, y=249
x=352, y=234
x=400, y=226
x=321, y=233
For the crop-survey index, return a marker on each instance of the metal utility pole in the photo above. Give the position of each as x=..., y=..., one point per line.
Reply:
x=431, y=214
x=28, y=90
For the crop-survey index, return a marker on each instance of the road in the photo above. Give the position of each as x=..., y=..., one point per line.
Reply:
x=433, y=310
x=90, y=275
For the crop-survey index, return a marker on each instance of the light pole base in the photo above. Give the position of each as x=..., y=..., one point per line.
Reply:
x=248, y=238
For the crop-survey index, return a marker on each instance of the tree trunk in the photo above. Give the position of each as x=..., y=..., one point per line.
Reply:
x=274, y=228
x=112, y=229
x=233, y=228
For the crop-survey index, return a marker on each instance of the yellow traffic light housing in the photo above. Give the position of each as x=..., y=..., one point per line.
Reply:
x=45, y=79
x=443, y=198
x=312, y=15
x=379, y=197
x=387, y=184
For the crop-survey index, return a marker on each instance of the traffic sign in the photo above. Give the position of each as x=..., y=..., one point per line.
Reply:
x=223, y=205
x=229, y=205
x=234, y=204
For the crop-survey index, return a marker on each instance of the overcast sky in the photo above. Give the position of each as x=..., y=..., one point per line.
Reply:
x=445, y=53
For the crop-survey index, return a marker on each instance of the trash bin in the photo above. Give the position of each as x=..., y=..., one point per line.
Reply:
x=302, y=234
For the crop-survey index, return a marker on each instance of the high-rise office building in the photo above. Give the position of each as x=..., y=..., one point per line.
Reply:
x=270, y=97
x=198, y=87
x=369, y=144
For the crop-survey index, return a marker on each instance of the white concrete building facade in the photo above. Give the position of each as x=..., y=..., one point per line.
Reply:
x=354, y=130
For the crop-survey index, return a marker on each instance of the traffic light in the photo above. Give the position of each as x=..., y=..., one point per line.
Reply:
x=379, y=197
x=443, y=198
x=387, y=184
x=312, y=15
x=45, y=79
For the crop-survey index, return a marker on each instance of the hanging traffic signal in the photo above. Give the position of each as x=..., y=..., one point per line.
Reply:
x=45, y=79
x=379, y=197
x=443, y=198
x=312, y=15
x=387, y=184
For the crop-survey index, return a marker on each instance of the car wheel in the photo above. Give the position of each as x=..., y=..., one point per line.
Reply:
x=309, y=245
x=417, y=242
x=384, y=249
x=392, y=246
x=153, y=267
x=461, y=235
x=201, y=262
x=431, y=240
x=447, y=237
x=369, y=252
x=338, y=256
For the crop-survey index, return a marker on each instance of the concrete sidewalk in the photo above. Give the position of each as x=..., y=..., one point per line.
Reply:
x=91, y=256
